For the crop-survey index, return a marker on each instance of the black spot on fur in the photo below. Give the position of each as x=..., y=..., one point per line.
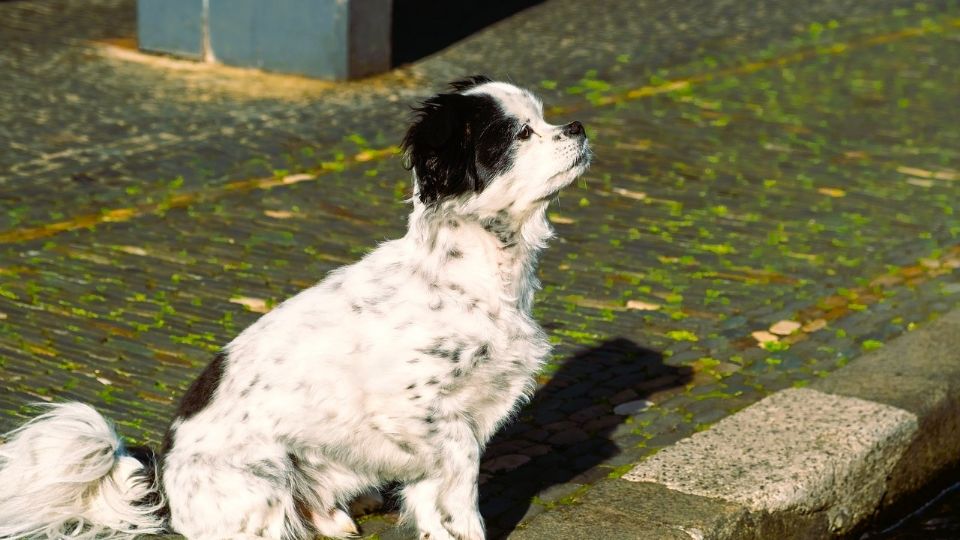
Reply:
x=455, y=253
x=453, y=224
x=502, y=227
x=356, y=307
x=404, y=446
x=439, y=350
x=276, y=472
x=201, y=391
x=436, y=350
x=481, y=355
x=456, y=288
x=246, y=391
x=436, y=304
x=458, y=143
x=411, y=386
x=433, y=381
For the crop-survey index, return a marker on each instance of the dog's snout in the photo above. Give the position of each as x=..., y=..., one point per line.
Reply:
x=574, y=129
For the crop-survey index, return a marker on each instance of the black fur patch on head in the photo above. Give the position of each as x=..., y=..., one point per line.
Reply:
x=458, y=143
x=201, y=391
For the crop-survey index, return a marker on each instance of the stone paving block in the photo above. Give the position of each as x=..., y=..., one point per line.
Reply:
x=798, y=450
x=621, y=510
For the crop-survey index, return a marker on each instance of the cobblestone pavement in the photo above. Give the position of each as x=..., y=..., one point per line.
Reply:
x=775, y=191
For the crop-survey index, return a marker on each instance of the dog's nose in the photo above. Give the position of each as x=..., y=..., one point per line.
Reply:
x=574, y=129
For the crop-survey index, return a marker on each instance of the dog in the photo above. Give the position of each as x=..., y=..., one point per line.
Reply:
x=396, y=369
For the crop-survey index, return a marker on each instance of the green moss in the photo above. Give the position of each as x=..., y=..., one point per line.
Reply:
x=682, y=335
x=617, y=472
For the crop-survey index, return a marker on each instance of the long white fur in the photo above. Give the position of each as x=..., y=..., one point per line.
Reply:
x=398, y=368
x=63, y=475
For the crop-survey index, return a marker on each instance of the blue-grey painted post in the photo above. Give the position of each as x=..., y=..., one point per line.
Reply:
x=171, y=26
x=332, y=39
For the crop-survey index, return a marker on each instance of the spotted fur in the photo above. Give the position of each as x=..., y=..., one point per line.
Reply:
x=398, y=368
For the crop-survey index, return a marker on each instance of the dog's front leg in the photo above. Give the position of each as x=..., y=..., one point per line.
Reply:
x=420, y=507
x=445, y=504
x=459, y=501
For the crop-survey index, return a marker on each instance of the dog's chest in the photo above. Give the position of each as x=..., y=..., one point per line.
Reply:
x=492, y=360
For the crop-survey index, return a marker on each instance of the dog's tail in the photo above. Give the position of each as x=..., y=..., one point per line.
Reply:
x=66, y=474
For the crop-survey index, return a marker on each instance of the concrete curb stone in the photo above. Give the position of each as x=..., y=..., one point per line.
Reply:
x=913, y=382
x=797, y=450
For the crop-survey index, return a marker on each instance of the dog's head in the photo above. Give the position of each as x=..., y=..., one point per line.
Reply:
x=486, y=147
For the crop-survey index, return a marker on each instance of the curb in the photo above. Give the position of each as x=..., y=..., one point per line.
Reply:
x=813, y=462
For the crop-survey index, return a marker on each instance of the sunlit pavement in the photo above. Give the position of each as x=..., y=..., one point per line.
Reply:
x=774, y=193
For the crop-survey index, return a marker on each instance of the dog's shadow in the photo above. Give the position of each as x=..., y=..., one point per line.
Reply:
x=565, y=431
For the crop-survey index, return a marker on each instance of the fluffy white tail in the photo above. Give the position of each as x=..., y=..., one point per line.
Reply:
x=64, y=474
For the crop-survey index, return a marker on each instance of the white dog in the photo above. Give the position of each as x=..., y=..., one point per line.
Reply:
x=396, y=369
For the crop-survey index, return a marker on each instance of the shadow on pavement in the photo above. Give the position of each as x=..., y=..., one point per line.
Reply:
x=423, y=27
x=565, y=431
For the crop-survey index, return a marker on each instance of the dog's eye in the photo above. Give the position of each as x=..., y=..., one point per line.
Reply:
x=525, y=133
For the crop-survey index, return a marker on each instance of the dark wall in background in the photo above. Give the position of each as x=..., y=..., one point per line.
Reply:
x=422, y=27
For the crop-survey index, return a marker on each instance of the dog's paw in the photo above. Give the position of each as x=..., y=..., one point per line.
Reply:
x=335, y=523
x=367, y=502
x=465, y=526
x=438, y=534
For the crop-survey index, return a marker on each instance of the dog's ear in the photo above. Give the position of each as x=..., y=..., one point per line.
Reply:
x=440, y=147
